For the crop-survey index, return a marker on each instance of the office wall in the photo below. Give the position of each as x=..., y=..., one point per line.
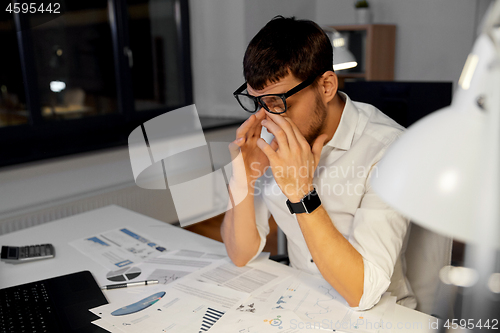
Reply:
x=217, y=47
x=220, y=32
x=433, y=38
x=259, y=12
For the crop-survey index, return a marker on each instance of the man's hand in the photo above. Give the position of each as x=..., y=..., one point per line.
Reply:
x=254, y=161
x=239, y=229
x=293, y=165
x=293, y=162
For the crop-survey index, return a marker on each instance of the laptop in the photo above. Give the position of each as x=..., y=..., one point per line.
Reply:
x=59, y=304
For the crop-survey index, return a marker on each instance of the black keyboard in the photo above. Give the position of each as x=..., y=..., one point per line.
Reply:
x=27, y=308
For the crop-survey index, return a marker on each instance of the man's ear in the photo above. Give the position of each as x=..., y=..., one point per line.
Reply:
x=328, y=85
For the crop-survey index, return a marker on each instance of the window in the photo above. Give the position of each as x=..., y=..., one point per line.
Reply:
x=84, y=80
x=13, y=110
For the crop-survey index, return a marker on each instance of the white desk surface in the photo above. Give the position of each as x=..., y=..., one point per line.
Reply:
x=69, y=260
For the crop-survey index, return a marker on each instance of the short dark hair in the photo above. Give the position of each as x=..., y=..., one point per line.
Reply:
x=287, y=45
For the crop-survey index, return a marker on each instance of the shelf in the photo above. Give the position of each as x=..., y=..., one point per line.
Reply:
x=373, y=45
x=350, y=75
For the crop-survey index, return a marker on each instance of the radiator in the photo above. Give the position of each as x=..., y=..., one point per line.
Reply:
x=152, y=203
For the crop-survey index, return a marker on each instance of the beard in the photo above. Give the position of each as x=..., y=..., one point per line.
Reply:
x=318, y=121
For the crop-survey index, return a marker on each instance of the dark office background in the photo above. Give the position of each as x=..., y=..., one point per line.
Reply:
x=84, y=80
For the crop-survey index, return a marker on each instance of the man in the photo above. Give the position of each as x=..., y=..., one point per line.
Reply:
x=314, y=175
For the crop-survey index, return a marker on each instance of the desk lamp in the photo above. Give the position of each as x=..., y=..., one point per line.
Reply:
x=443, y=173
x=342, y=57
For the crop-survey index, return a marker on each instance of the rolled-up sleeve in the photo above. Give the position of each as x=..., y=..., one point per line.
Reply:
x=378, y=235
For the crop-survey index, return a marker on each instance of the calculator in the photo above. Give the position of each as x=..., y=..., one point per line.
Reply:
x=16, y=255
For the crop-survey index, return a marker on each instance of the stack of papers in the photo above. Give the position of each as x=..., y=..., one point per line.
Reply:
x=199, y=292
x=182, y=306
x=192, y=303
x=305, y=303
x=119, y=248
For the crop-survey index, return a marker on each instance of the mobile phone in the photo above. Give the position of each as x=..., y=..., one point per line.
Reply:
x=20, y=254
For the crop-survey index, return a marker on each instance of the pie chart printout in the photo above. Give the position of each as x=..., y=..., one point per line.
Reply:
x=124, y=274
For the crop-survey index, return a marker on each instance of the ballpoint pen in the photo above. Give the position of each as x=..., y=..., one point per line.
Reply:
x=130, y=284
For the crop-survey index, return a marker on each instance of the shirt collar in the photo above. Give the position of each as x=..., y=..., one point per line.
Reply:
x=342, y=139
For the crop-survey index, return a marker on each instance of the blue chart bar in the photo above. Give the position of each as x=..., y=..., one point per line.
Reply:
x=123, y=263
x=134, y=235
x=142, y=239
x=97, y=240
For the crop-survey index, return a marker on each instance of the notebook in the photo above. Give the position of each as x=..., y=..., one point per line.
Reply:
x=59, y=304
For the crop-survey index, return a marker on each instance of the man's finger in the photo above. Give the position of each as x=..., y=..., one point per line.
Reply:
x=274, y=144
x=251, y=126
x=243, y=129
x=279, y=134
x=300, y=138
x=267, y=150
x=260, y=115
x=287, y=128
x=234, y=147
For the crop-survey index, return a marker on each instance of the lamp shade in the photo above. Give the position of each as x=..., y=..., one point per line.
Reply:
x=443, y=172
x=342, y=57
x=428, y=175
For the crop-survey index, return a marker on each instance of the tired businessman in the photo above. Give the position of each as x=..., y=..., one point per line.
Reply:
x=314, y=176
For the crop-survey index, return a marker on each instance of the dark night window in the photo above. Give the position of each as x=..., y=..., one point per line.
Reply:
x=84, y=80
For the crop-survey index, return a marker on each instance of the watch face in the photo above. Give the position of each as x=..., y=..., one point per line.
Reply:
x=308, y=204
x=311, y=201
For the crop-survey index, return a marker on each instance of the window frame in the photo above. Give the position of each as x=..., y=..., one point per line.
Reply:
x=39, y=139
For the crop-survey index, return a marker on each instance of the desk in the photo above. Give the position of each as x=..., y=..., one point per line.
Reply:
x=69, y=260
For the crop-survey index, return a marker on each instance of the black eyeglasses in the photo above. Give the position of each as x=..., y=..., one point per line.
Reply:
x=274, y=103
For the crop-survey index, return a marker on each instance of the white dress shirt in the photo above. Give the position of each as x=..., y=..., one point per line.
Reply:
x=341, y=179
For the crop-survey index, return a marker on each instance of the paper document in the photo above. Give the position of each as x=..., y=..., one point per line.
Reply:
x=173, y=265
x=107, y=326
x=253, y=278
x=119, y=248
x=315, y=300
x=273, y=321
x=184, y=307
x=166, y=268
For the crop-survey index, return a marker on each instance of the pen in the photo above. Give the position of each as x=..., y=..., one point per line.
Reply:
x=131, y=284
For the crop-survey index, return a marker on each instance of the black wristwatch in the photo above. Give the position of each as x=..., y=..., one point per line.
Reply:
x=308, y=204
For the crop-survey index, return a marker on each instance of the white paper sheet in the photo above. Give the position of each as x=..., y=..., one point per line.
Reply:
x=107, y=326
x=252, y=309
x=314, y=300
x=173, y=265
x=283, y=321
x=181, y=309
x=253, y=278
x=119, y=248
x=166, y=268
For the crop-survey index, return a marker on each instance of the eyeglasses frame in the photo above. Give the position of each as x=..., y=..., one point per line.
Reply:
x=257, y=99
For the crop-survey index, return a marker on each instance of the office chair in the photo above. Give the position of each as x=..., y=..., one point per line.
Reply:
x=425, y=254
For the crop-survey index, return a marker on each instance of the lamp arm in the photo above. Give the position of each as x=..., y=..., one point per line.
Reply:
x=492, y=19
x=491, y=23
